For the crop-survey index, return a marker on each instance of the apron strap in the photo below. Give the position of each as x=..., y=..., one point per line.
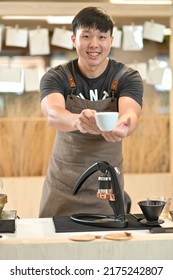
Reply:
x=114, y=84
x=70, y=77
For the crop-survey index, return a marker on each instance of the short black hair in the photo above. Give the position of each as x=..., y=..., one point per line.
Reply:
x=93, y=17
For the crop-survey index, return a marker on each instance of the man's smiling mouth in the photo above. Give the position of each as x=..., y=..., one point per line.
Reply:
x=93, y=54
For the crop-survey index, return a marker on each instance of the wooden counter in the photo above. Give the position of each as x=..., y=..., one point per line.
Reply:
x=35, y=239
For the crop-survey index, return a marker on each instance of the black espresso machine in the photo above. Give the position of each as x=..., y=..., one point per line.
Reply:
x=108, y=188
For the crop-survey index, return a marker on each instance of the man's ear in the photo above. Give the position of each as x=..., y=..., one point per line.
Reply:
x=73, y=38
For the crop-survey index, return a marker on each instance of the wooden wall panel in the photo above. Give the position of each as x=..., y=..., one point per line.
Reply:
x=148, y=149
x=25, y=105
x=25, y=146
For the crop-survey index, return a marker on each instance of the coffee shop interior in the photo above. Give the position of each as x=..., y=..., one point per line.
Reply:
x=26, y=140
x=35, y=36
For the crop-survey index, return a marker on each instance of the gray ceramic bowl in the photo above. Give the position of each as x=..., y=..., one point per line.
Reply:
x=151, y=209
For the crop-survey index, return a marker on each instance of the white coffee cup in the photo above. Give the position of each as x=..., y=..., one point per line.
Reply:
x=106, y=121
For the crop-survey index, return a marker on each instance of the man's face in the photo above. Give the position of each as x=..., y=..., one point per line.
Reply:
x=92, y=45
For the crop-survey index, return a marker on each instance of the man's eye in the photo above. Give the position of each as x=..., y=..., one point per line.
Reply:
x=86, y=36
x=102, y=37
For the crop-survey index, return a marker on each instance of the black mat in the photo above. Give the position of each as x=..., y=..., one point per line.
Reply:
x=65, y=224
x=7, y=226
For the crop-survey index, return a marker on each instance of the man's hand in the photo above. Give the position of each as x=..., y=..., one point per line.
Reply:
x=87, y=123
x=120, y=131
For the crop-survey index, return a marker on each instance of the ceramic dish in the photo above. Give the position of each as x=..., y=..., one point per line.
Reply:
x=84, y=237
x=118, y=236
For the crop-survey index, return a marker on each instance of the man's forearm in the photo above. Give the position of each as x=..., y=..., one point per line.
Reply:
x=61, y=119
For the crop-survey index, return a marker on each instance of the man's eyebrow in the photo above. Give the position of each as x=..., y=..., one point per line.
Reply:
x=86, y=30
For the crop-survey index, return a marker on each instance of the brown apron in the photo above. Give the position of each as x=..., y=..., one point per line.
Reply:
x=72, y=154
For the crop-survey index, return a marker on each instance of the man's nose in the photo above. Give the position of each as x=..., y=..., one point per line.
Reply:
x=93, y=41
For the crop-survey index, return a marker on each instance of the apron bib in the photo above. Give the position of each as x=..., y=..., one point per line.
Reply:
x=73, y=153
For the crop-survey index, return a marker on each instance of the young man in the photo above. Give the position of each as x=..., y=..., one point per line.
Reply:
x=71, y=111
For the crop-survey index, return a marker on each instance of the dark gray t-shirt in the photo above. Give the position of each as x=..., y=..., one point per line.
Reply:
x=56, y=81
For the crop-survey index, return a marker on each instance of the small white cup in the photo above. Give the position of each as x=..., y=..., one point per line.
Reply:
x=106, y=121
